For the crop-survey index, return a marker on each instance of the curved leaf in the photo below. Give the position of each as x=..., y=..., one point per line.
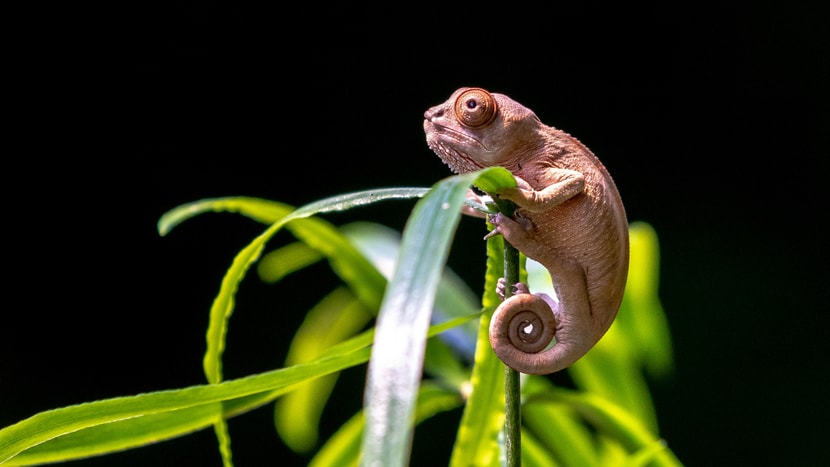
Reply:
x=52, y=424
x=397, y=358
x=343, y=448
x=483, y=417
x=612, y=420
x=381, y=244
x=94, y=428
x=276, y=264
x=557, y=426
x=223, y=304
x=297, y=414
x=258, y=209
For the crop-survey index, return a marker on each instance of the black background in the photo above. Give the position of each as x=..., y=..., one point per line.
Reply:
x=712, y=120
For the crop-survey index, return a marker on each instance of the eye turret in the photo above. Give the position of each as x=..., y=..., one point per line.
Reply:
x=475, y=108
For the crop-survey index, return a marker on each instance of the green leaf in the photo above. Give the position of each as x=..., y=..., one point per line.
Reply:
x=98, y=427
x=343, y=448
x=260, y=210
x=381, y=244
x=534, y=453
x=311, y=230
x=46, y=426
x=345, y=259
x=483, y=417
x=651, y=325
x=118, y=435
x=397, y=358
x=443, y=365
x=297, y=414
x=611, y=420
x=224, y=438
x=494, y=179
x=276, y=264
x=557, y=426
x=222, y=307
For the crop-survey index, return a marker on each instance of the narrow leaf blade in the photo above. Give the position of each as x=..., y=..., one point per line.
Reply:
x=398, y=352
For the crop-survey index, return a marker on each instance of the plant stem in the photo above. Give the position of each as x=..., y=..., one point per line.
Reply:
x=512, y=388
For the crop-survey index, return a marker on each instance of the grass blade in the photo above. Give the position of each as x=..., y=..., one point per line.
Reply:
x=397, y=359
x=483, y=418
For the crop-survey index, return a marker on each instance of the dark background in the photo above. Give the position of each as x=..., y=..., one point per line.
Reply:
x=712, y=120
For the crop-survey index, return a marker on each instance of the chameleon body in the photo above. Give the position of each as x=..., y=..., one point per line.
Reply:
x=569, y=218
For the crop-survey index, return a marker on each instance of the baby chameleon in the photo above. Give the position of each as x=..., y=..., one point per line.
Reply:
x=569, y=218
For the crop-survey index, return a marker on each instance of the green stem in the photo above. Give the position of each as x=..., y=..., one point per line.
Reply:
x=512, y=388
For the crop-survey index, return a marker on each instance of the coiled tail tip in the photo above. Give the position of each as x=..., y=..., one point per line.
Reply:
x=521, y=327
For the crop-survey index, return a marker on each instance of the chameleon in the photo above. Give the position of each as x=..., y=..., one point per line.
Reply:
x=569, y=217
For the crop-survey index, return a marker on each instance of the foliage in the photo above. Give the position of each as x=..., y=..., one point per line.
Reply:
x=427, y=353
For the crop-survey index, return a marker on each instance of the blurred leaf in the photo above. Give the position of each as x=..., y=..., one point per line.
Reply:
x=297, y=414
x=652, y=333
x=557, y=426
x=380, y=244
x=313, y=231
x=343, y=448
x=443, y=365
x=534, y=453
x=276, y=264
x=610, y=419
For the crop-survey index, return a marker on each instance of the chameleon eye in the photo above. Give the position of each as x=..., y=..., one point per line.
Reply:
x=475, y=108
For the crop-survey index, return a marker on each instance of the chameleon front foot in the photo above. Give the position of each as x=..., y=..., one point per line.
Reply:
x=516, y=289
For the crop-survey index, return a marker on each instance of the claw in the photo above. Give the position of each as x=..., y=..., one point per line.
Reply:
x=494, y=219
x=492, y=233
x=517, y=288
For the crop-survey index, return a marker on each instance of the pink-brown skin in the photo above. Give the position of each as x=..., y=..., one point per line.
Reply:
x=570, y=218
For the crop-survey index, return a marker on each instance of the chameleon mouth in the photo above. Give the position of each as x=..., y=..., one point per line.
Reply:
x=454, y=135
x=457, y=161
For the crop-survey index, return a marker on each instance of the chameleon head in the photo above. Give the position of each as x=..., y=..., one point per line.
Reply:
x=475, y=128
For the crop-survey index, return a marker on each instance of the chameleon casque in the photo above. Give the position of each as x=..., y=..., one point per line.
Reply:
x=569, y=218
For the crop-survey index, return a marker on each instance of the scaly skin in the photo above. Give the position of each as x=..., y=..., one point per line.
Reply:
x=569, y=218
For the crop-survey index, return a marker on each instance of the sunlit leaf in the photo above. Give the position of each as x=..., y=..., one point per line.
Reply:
x=258, y=209
x=611, y=419
x=264, y=211
x=534, y=453
x=557, y=426
x=109, y=425
x=397, y=358
x=380, y=244
x=483, y=418
x=49, y=425
x=276, y=264
x=652, y=333
x=442, y=364
x=297, y=414
x=343, y=448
